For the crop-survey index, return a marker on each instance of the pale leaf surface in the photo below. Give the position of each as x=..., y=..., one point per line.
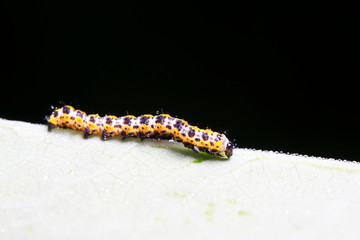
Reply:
x=57, y=185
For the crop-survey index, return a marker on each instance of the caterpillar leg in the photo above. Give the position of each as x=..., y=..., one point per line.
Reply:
x=192, y=147
x=123, y=135
x=222, y=155
x=87, y=133
x=141, y=136
x=104, y=135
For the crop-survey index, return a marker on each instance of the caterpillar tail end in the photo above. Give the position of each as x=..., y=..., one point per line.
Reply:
x=50, y=126
x=51, y=122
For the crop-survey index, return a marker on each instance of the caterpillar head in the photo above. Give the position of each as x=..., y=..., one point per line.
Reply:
x=226, y=148
x=229, y=149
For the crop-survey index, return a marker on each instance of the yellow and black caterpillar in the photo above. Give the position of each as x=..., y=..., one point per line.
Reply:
x=161, y=126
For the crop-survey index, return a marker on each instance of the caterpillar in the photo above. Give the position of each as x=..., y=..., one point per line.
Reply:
x=161, y=126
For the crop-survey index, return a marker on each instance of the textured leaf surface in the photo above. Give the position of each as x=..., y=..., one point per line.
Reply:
x=57, y=185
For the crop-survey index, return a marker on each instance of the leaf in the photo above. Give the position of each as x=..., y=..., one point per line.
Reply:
x=56, y=185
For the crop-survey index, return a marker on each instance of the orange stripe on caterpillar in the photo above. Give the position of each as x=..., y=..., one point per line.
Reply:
x=161, y=126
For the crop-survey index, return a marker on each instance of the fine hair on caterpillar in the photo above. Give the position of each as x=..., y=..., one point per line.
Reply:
x=161, y=126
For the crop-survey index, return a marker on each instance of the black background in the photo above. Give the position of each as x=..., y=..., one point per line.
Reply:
x=276, y=76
